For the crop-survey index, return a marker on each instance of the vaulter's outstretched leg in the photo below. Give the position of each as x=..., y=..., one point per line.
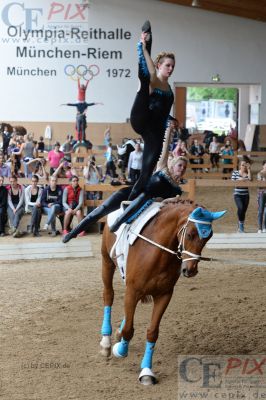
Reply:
x=109, y=205
x=131, y=211
x=139, y=116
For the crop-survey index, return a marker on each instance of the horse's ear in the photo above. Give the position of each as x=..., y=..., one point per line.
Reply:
x=197, y=213
x=218, y=214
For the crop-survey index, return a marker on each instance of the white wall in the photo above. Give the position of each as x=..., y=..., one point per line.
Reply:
x=205, y=43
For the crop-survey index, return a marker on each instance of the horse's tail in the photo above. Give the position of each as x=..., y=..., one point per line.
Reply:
x=146, y=299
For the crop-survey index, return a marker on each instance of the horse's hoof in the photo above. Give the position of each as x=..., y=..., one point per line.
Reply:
x=116, y=353
x=105, y=346
x=147, y=377
x=105, y=351
x=118, y=335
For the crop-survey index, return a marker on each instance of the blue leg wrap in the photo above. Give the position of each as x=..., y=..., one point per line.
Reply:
x=123, y=347
x=122, y=325
x=106, y=325
x=142, y=61
x=147, y=358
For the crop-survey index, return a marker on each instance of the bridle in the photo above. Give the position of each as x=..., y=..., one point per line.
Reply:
x=181, y=245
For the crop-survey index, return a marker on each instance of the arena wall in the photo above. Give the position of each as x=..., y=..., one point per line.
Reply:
x=33, y=68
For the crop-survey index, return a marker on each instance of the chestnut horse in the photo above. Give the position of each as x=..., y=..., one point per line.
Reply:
x=181, y=230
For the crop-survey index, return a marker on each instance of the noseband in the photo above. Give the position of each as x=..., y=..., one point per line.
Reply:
x=181, y=246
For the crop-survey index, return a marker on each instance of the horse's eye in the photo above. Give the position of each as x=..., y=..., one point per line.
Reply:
x=190, y=236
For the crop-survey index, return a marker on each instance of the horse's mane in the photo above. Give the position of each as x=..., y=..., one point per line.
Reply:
x=178, y=202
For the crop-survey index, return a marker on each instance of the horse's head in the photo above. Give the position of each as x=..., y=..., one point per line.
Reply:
x=193, y=236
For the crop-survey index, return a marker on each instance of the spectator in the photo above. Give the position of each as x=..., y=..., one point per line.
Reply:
x=29, y=151
x=93, y=175
x=227, y=151
x=41, y=145
x=37, y=167
x=3, y=206
x=214, y=150
x=110, y=162
x=51, y=202
x=135, y=163
x=178, y=131
x=15, y=209
x=123, y=151
x=197, y=150
x=67, y=148
x=262, y=200
x=73, y=197
x=33, y=195
x=55, y=156
x=5, y=169
x=64, y=170
x=107, y=136
x=241, y=194
x=180, y=150
x=6, y=135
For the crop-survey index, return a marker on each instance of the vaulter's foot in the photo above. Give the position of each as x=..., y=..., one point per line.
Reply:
x=146, y=27
x=146, y=33
x=68, y=237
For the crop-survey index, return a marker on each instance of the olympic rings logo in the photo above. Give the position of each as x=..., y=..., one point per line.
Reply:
x=82, y=71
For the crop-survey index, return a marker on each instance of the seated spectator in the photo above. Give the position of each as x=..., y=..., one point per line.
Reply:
x=41, y=145
x=28, y=149
x=55, y=156
x=135, y=163
x=180, y=150
x=67, y=148
x=51, y=202
x=73, y=197
x=15, y=208
x=37, y=167
x=196, y=149
x=179, y=132
x=33, y=195
x=93, y=175
x=3, y=206
x=5, y=169
x=227, y=151
x=64, y=170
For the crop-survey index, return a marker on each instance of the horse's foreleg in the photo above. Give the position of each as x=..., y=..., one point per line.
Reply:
x=146, y=376
x=120, y=349
x=108, y=269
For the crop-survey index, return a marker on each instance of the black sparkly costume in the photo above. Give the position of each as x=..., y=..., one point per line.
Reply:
x=149, y=116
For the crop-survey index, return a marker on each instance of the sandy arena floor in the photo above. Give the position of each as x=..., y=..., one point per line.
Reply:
x=51, y=315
